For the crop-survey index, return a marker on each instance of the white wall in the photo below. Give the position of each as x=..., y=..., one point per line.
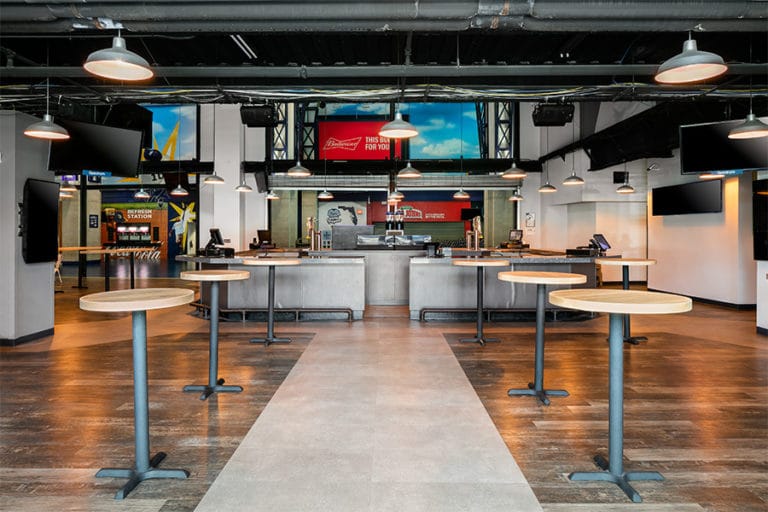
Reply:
x=238, y=215
x=27, y=311
x=705, y=255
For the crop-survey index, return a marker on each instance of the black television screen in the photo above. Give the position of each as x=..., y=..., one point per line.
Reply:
x=470, y=213
x=707, y=148
x=601, y=242
x=40, y=221
x=96, y=147
x=216, y=237
x=704, y=196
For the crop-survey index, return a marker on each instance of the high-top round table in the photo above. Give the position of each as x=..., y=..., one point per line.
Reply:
x=271, y=263
x=480, y=263
x=625, y=264
x=541, y=280
x=138, y=302
x=215, y=384
x=618, y=303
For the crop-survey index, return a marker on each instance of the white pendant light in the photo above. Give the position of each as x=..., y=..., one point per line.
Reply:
x=299, y=171
x=272, y=196
x=179, y=191
x=46, y=129
x=751, y=128
x=243, y=187
x=409, y=172
x=396, y=195
x=690, y=66
x=141, y=194
x=325, y=195
x=547, y=188
x=516, y=196
x=573, y=180
x=461, y=194
x=514, y=173
x=214, y=179
x=118, y=63
x=398, y=128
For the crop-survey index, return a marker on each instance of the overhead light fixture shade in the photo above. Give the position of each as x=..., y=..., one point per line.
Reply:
x=396, y=195
x=141, y=194
x=398, y=128
x=751, y=128
x=409, y=172
x=573, y=180
x=516, y=196
x=213, y=179
x=46, y=129
x=272, y=196
x=118, y=63
x=690, y=66
x=461, y=195
x=299, y=171
x=514, y=173
x=547, y=188
x=325, y=195
x=626, y=188
x=179, y=191
x=243, y=187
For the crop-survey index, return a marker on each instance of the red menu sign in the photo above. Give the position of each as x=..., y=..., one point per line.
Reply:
x=353, y=140
x=421, y=211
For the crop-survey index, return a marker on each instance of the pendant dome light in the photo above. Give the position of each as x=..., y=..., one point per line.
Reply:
x=690, y=66
x=243, y=186
x=46, y=129
x=461, y=194
x=573, y=179
x=325, y=195
x=516, y=196
x=398, y=128
x=625, y=188
x=396, y=195
x=299, y=171
x=214, y=179
x=272, y=196
x=409, y=172
x=514, y=173
x=141, y=194
x=752, y=127
x=179, y=191
x=118, y=63
x=547, y=188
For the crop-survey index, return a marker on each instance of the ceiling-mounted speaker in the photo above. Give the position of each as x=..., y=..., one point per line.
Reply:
x=552, y=114
x=619, y=176
x=263, y=116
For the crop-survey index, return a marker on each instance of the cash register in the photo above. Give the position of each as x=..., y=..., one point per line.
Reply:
x=597, y=247
x=515, y=240
x=215, y=246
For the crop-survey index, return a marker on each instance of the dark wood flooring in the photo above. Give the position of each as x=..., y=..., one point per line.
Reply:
x=696, y=409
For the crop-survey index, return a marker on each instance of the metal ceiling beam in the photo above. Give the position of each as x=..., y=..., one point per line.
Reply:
x=390, y=71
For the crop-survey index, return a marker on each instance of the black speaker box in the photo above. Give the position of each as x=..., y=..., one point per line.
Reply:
x=552, y=114
x=258, y=116
x=619, y=176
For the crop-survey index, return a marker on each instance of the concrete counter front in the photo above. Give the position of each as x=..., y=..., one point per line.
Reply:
x=317, y=285
x=437, y=284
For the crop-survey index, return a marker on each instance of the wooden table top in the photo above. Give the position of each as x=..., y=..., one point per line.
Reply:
x=620, y=301
x=517, y=276
x=267, y=262
x=630, y=262
x=118, y=251
x=479, y=262
x=139, y=299
x=214, y=275
x=80, y=248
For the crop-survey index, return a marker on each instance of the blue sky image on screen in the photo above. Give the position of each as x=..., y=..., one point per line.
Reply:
x=174, y=131
x=441, y=126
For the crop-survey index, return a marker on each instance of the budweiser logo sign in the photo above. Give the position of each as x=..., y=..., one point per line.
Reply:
x=346, y=144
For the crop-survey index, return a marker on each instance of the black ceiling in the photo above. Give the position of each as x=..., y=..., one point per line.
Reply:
x=423, y=50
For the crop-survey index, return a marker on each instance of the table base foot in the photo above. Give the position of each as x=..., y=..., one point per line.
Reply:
x=541, y=394
x=268, y=341
x=208, y=390
x=635, y=340
x=135, y=477
x=480, y=340
x=622, y=480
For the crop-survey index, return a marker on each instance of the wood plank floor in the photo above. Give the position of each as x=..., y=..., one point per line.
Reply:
x=696, y=405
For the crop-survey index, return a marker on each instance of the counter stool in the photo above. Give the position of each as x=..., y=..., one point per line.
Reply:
x=271, y=263
x=480, y=263
x=618, y=303
x=138, y=302
x=215, y=384
x=541, y=280
x=625, y=264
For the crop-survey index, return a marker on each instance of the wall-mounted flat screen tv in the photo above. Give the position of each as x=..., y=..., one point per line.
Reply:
x=707, y=148
x=96, y=147
x=704, y=196
x=40, y=221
